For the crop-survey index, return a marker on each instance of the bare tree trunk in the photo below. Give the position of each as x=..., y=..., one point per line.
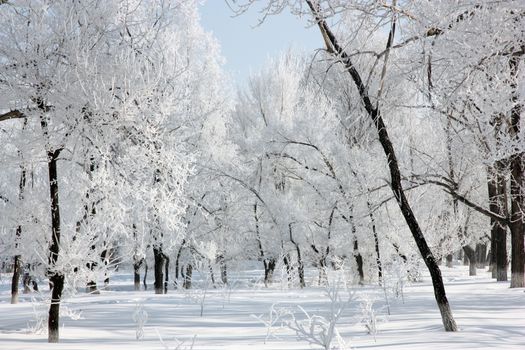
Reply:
x=395, y=175
x=481, y=255
x=136, y=274
x=91, y=287
x=497, y=190
x=177, y=263
x=17, y=263
x=450, y=260
x=145, y=275
x=158, y=270
x=212, y=275
x=517, y=225
x=357, y=255
x=166, y=274
x=376, y=245
x=517, y=186
x=471, y=255
x=269, y=268
x=300, y=265
x=223, y=268
x=188, y=276
x=15, y=281
x=359, y=262
x=56, y=278
x=289, y=268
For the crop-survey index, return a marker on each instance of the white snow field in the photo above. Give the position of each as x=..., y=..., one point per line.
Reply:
x=490, y=315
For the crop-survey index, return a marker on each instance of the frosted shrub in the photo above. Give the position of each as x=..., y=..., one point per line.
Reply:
x=140, y=317
x=370, y=319
x=275, y=320
x=315, y=329
x=179, y=344
x=38, y=324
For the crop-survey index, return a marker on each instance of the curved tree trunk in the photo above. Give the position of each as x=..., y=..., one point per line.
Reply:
x=395, y=175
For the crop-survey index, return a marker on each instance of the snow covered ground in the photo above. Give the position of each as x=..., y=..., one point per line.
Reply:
x=489, y=315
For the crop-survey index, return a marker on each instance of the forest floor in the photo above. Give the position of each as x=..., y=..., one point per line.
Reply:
x=489, y=314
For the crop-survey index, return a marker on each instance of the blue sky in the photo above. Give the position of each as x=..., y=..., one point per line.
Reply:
x=246, y=46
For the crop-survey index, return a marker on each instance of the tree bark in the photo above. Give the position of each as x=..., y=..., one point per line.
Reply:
x=177, y=263
x=471, y=255
x=15, y=281
x=145, y=276
x=56, y=278
x=223, y=268
x=517, y=225
x=158, y=270
x=300, y=265
x=136, y=274
x=517, y=185
x=269, y=268
x=359, y=262
x=395, y=175
x=166, y=270
x=17, y=263
x=497, y=204
x=481, y=255
x=450, y=261
x=376, y=246
x=188, y=276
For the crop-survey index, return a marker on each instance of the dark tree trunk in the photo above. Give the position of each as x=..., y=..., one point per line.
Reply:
x=212, y=275
x=15, y=281
x=26, y=281
x=450, y=260
x=517, y=224
x=269, y=268
x=289, y=269
x=471, y=255
x=145, y=276
x=300, y=265
x=357, y=255
x=166, y=273
x=91, y=287
x=269, y=263
x=158, y=267
x=465, y=259
x=188, y=276
x=517, y=186
x=177, y=263
x=359, y=262
x=223, y=268
x=376, y=246
x=17, y=263
x=136, y=274
x=395, y=175
x=481, y=255
x=323, y=277
x=497, y=190
x=56, y=278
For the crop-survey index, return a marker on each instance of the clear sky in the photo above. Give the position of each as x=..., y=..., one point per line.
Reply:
x=247, y=46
